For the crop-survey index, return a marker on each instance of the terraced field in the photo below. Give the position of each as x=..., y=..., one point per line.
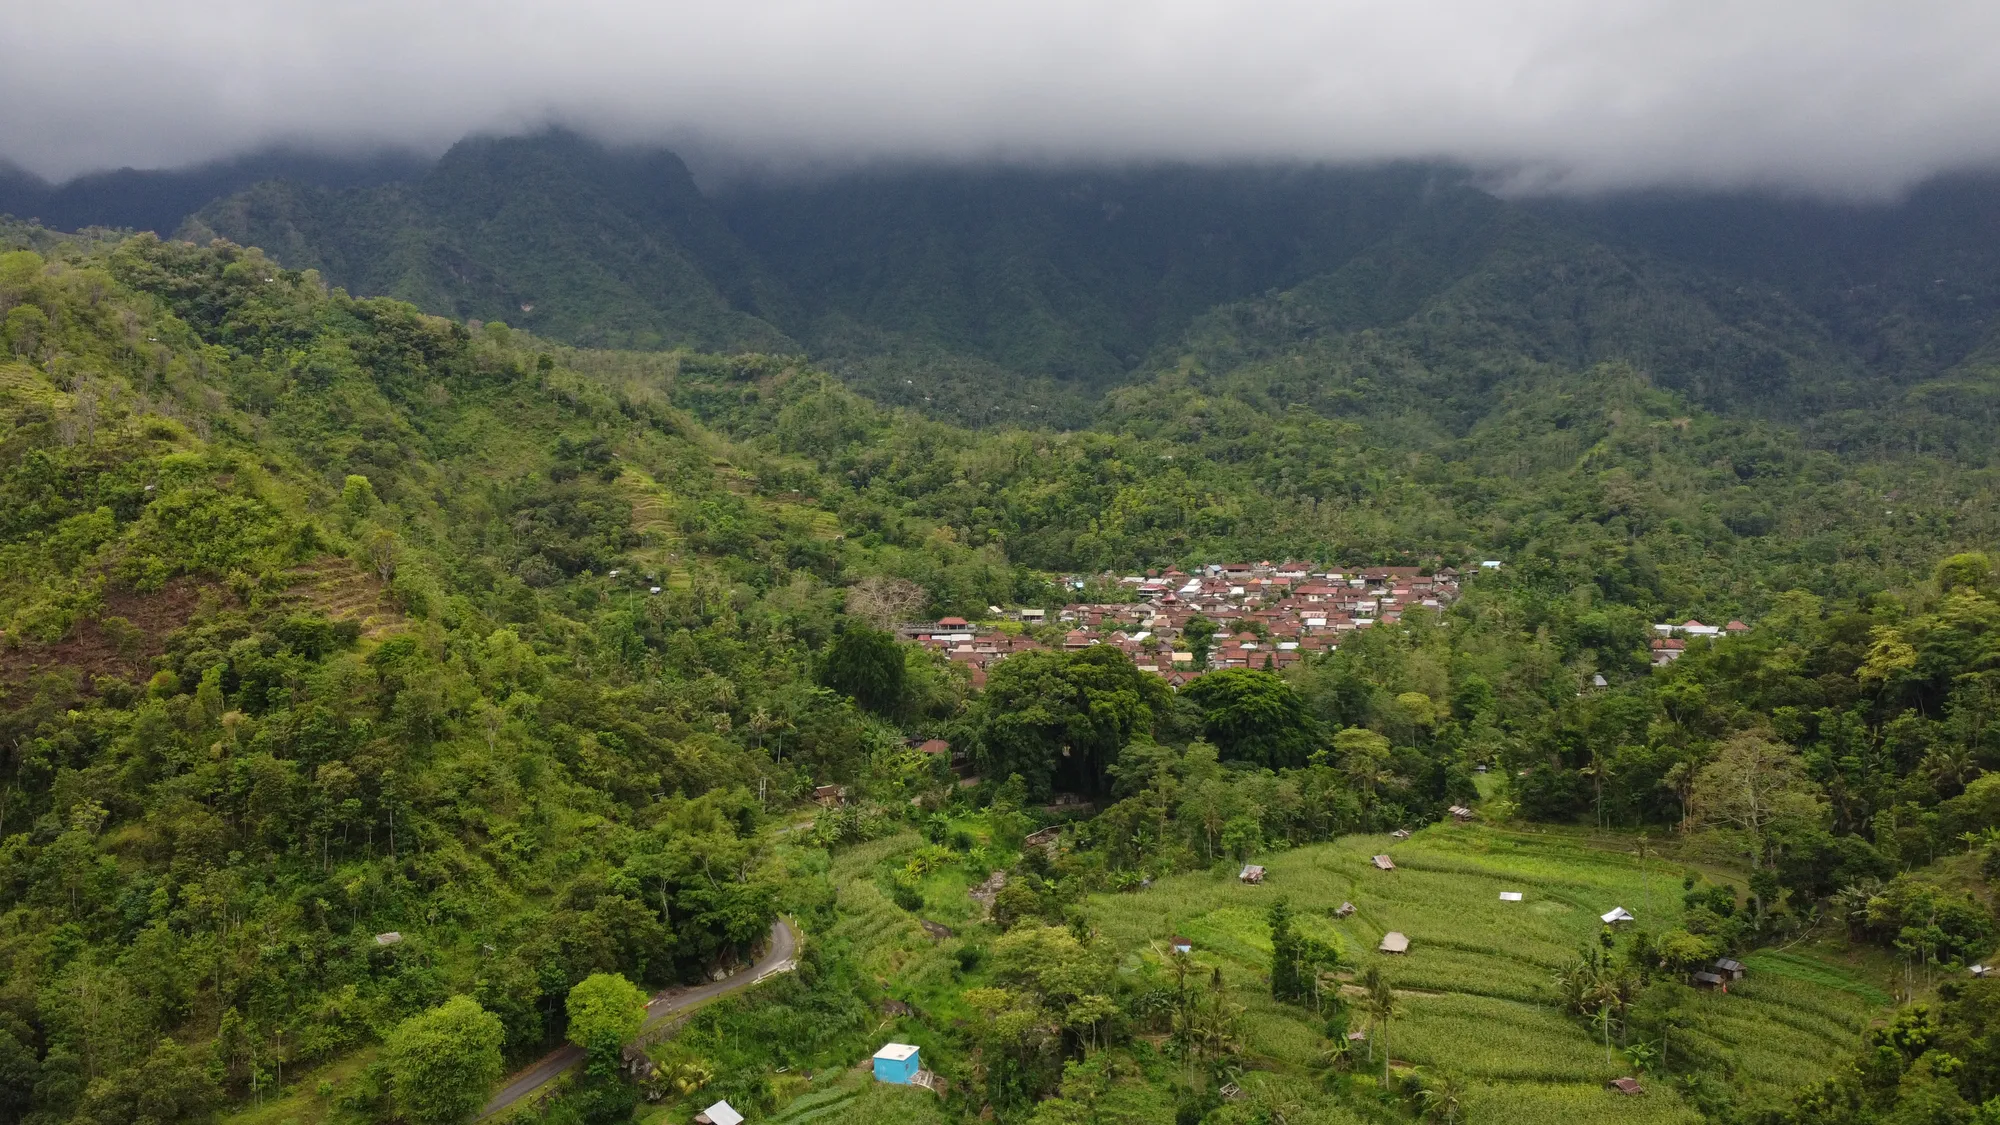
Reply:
x=1476, y=984
x=853, y=1097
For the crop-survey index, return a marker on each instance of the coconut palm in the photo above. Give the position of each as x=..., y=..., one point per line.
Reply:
x=1443, y=1098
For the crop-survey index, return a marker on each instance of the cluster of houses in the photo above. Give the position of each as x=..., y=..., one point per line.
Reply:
x=1266, y=615
x=1669, y=640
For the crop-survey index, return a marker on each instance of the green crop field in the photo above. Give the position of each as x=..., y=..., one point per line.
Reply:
x=1476, y=984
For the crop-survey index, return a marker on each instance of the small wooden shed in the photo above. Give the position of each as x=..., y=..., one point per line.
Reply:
x=1627, y=1086
x=1251, y=873
x=1384, y=863
x=1706, y=979
x=1180, y=944
x=1732, y=970
x=1394, y=942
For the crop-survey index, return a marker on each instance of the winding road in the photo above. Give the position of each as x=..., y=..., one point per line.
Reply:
x=779, y=956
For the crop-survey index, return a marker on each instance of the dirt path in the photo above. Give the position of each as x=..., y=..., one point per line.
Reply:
x=779, y=957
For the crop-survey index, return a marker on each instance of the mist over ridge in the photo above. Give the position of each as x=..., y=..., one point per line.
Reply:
x=1857, y=100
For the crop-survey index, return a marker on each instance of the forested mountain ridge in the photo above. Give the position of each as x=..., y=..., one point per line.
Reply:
x=604, y=248
x=996, y=294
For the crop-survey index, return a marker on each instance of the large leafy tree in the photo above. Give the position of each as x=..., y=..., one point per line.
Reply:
x=1254, y=716
x=605, y=1012
x=443, y=1061
x=868, y=665
x=1060, y=720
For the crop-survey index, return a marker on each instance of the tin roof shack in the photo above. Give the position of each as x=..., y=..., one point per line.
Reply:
x=1510, y=896
x=830, y=796
x=1709, y=980
x=1626, y=1086
x=1251, y=873
x=1344, y=910
x=897, y=1063
x=1616, y=916
x=1733, y=970
x=721, y=1113
x=1181, y=944
x=1384, y=863
x=1394, y=942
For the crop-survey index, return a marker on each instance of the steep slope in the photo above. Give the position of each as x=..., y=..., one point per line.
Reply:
x=1072, y=274
x=160, y=200
x=553, y=233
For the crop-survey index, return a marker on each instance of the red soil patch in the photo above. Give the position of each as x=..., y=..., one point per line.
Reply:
x=102, y=646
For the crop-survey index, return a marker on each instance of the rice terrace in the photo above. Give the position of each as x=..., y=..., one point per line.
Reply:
x=1477, y=985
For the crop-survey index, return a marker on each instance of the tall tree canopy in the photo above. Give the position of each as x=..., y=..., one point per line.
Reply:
x=1254, y=716
x=442, y=1062
x=866, y=664
x=1060, y=719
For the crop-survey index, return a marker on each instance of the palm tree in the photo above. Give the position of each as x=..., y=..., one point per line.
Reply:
x=1380, y=1005
x=1443, y=1099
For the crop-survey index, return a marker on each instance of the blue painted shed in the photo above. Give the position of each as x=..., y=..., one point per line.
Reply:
x=898, y=1063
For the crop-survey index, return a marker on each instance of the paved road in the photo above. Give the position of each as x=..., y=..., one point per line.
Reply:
x=778, y=957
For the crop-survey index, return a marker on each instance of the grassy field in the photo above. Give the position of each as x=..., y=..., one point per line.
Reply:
x=1476, y=984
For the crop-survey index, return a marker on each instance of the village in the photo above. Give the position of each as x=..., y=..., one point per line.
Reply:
x=1180, y=625
x=1262, y=615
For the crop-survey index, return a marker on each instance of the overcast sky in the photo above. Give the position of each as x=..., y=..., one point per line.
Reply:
x=1835, y=96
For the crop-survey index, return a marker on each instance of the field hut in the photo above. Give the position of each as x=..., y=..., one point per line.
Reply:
x=897, y=1063
x=1181, y=944
x=1617, y=916
x=1626, y=1086
x=1733, y=970
x=1384, y=863
x=1510, y=896
x=1980, y=970
x=1460, y=813
x=1394, y=942
x=1400, y=834
x=830, y=796
x=1344, y=910
x=1709, y=980
x=721, y=1113
x=1251, y=873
